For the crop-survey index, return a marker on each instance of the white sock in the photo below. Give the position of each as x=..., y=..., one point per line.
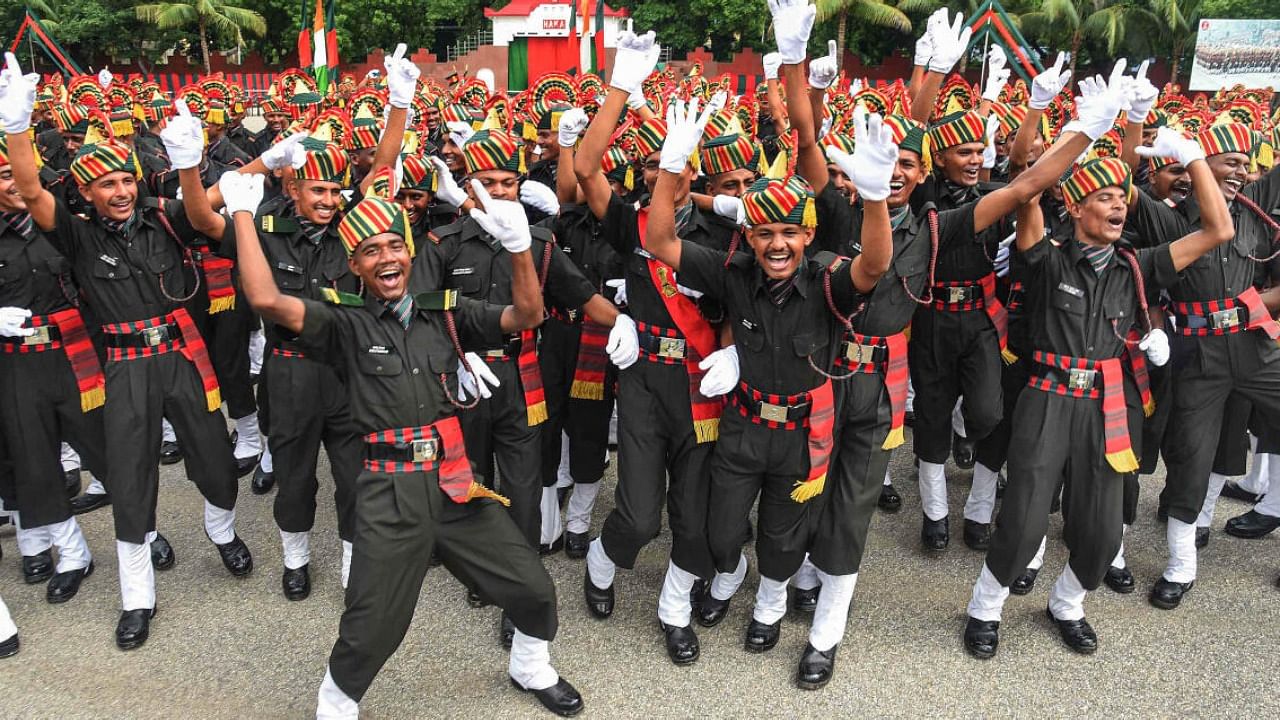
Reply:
x=933, y=490
x=725, y=585
x=257, y=346
x=957, y=419
x=674, y=607
x=1119, y=562
x=1270, y=503
x=265, y=462
x=1182, y=551
x=169, y=435
x=551, y=526
x=95, y=486
x=806, y=578
x=832, y=614
x=1216, y=481
x=911, y=396
x=332, y=703
x=219, y=524
x=31, y=541
x=7, y=628
x=1066, y=597
x=248, y=439
x=297, y=549
x=1255, y=481
x=530, y=663
x=987, y=601
x=563, y=478
x=599, y=566
x=137, y=577
x=581, y=503
x=1037, y=562
x=70, y=458
x=888, y=476
x=346, y=563
x=73, y=549
x=771, y=600
x=982, y=495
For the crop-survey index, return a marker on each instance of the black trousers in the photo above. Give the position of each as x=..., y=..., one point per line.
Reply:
x=39, y=408
x=660, y=461
x=400, y=520
x=497, y=431
x=1207, y=370
x=993, y=449
x=1056, y=436
x=856, y=475
x=586, y=422
x=226, y=334
x=140, y=393
x=311, y=408
x=953, y=354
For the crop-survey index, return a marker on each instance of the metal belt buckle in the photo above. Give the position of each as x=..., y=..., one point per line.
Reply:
x=424, y=451
x=152, y=337
x=39, y=337
x=572, y=315
x=1225, y=318
x=773, y=413
x=858, y=353
x=671, y=348
x=1080, y=379
x=495, y=353
x=957, y=295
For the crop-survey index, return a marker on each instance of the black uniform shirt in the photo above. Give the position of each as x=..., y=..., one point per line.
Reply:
x=394, y=376
x=577, y=233
x=1070, y=308
x=966, y=259
x=33, y=275
x=224, y=151
x=244, y=140
x=774, y=342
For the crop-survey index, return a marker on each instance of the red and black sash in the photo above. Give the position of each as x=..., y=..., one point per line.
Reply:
x=1118, y=448
x=888, y=356
x=819, y=421
x=696, y=331
x=589, y=370
x=73, y=339
x=1250, y=300
x=188, y=342
x=988, y=303
x=217, y=281
x=1141, y=377
x=443, y=448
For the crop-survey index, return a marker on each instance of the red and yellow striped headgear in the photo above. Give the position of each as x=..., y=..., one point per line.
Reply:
x=1231, y=137
x=326, y=162
x=103, y=158
x=618, y=168
x=374, y=216
x=492, y=150
x=727, y=153
x=418, y=174
x=649, y=136
x=957, y=129
x=1097, y=174
x=780, y=201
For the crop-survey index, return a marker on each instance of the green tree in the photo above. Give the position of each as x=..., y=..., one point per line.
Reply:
x=228, y=21
x=1112, y=24
x=873, y=14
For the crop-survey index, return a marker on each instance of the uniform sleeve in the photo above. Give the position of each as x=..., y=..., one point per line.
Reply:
x=67, y=227
x=1157, y=268
x=844, y=294
x=322, y=328
x=479, y=323
x=1153, y=223
x=954, y=225
x=227, y=248
x=566, y=285
x=618, y=227
x=837, y=220
x=176, y=212
x=1265, y=191
x=703, y=269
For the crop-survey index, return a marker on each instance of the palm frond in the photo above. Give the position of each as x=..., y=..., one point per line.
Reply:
x=879, y=15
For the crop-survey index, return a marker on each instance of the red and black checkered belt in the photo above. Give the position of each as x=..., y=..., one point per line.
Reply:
x=65, y=331
x=1246, y=311
x=286, y=353
x=886, y=356
x=1085, y=378
x=425, y=448
x=46, y=337
x=570, y=316
x=159, y=335
x=661, y=345
x=777, y=412
x=509, y=351
x=960, y=296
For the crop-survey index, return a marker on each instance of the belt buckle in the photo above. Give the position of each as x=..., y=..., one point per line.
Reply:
x=671, y=348
x=152, y=337
x=39, y=337
x=956, y=295
x=1224, y=319
x=773, y=413
x=572, y=315
x=859, y=353
x=495, y=353
x=1080, y=379
x=424, y=451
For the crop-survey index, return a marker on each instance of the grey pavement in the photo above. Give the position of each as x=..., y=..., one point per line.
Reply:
x=223, y=647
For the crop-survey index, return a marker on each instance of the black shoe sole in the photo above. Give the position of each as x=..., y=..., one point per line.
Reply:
x=1122, y=589
x=36, y=579
x=1164, y=604
x=806, y=685
x=979, y=654
x=58, y=600
x=571, y=713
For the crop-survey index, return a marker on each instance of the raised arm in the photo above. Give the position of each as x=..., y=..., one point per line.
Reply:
x=1216, y=226
x=402, y=82
x=1142, y=95
x=572, y=124
x=183, y=139
x=243, y=194
x=1030, y=225
x=17, y=102
x=871, y=167
x=949, y=41
x=506, y=221
x=810, y=164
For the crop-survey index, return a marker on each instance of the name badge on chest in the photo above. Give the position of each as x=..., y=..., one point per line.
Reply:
x=642, y=252
x=113, y=262
x=378, y=350
x=462, y=271
x=1070, y=289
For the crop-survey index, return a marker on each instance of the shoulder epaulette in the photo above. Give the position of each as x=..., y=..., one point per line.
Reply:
x=437, y=300
x=337, y=297
x=741, y=259
x=277, y=224
x=829, y=260
x=541, y=233
x=433, y=237
x=452, y=228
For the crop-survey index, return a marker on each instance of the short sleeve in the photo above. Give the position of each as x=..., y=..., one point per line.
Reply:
x=176, y=213
x=479, y=323
x=227, y=248
x=1156, y=264
x=703, y=269
x=321, y=327
x=1153, y=222
x=566, y=284
x=618, y=227
x=955, y=225
x=66, y=228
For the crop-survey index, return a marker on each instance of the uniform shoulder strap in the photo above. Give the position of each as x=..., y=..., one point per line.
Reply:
x=437, y=300
x=337, y=297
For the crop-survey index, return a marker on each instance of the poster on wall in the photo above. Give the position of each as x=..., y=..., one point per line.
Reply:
x=1236, y=51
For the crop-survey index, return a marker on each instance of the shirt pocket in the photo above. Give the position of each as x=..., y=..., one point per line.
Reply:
x=808, y=344
x=749, y=334
x=378, y=373
x=467, y=281
x=910, y=267
x=161, y=262
x=289, y=277
x=1067, y=301
x=115, y=270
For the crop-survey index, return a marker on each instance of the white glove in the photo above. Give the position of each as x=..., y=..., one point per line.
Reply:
x=1049, y=83
x=874, y=158
x=459, y=132
x=1100, y=103
x=17, y=96
x=636, y=100
x=721, y=369
x=1156, y=345
x=688, y=291
x=624, y=344
x=12, y=320
x=997, y=73
x=104, y=78
x=717, y=102
x=924, y=46
x=635, y=57
x=772, y=61
x=1170, y=143
x=1142, y=95
x=823, y=70
x=286, y=153
x=684, y=132
x=792, y=23
x=855, y=87
x=728, y=206
x=539, y=197
x=949, y=43
x=1001, y=261
x=478, y=382
x=241, y=193
x=183, y=138
x=503, y=219
x=402, y=78
x=572, y=124
x=989, y=150
x=619, y=290
x=446, y=187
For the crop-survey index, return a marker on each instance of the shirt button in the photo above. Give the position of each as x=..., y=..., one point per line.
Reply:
x=415, y=371
x=1090, y=348
x=111, y=274
x=420, y=407
x=379, y=368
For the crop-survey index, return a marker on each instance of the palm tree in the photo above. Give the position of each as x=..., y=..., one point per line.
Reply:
x=1106, y=21
x=226, y=20
x=876, y=13
x=1178, y=21
x=47, y=13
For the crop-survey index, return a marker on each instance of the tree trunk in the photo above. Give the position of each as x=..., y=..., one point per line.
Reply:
x=841, y=29
x=1174, y=62
x=204, y=47
x=1077, y=39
